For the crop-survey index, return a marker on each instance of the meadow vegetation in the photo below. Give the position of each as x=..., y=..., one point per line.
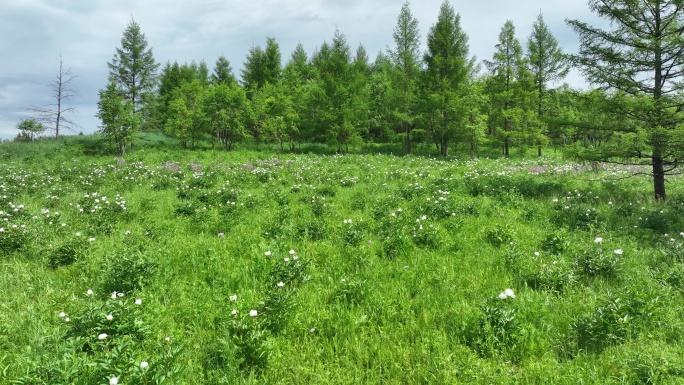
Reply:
x=180, y=267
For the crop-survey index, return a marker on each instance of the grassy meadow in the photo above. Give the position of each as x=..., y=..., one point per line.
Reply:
x=210, y=267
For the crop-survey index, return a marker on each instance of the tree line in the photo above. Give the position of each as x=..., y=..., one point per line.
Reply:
x=337, y=95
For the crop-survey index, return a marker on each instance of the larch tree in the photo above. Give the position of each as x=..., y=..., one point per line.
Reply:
x=448, y=69
x=641, y=57
x=405, y=58
x=223, y=72
x=509, y=89
x=133, y=69
x=547, y=63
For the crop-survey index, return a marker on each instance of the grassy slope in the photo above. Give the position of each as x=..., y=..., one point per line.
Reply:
x=384, y=302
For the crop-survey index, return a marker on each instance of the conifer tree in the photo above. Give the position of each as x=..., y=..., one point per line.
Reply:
x=547, y=63
x=642, y=57
x=133, y=69
x=448, y=70
x=406, y=61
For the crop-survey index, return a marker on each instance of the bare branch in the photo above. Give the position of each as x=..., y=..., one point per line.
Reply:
x=53, y=114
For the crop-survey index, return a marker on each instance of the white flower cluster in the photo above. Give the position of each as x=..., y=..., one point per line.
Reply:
x=508, y=293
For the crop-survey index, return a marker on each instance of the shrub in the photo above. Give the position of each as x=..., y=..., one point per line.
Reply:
x=499, y=235
x=127, y=273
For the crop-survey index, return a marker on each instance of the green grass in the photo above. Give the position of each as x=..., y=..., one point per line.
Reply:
x=395, y=276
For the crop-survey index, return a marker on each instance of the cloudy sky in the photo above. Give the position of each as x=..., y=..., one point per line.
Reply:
x=86, y=33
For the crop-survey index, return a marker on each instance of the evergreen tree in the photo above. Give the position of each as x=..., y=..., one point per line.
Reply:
x=223, y=72
x=546, y=62
x=262, y=66
x=406, y=60
x=133, y=69
x=298, y=69
x=448, y=69
x=272, y=62
x=510, y=87
x=642, y=57
x=381, y=100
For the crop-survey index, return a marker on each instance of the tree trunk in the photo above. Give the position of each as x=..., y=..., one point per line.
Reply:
x=407, y=139
x=658, y=177
x=539, y=150
x=506, y=149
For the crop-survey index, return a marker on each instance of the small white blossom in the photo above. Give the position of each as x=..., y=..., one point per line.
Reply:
x=62, y=315
x=233, y=297
x=89, y=292
x=618, y=251
x=67, y=319
x=144, y=364
x=167, y=339
x=509, y=293
x=281, y=284
x=536, y=253
x=253, y=313
x=286, y=259
x=268, y=253
x=292, y=252
x=113, y=381
x=91, y=239
x=234, y=312
x=109, y=317
x=502, y=295
x=138, y=301
x=598, y=240
x=102, y=336
x=114, y=295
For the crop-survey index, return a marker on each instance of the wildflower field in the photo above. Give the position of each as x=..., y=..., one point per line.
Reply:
x=214, y=267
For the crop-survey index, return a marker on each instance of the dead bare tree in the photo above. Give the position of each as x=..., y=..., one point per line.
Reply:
x=53, y=115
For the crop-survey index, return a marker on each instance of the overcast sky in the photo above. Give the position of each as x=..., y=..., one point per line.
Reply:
x=87, y=32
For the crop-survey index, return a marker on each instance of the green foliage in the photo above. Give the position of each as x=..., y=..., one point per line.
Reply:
x=448, y=70
x=644, y=42
x=497, y=329
x=358, y=302
x=510, y=89
x=29, y=129
x=598, y=262
x=67, y=253
x=499, y=235
x=616, y=319
x=119, y=120
x=127, y=273
x=132, y=71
